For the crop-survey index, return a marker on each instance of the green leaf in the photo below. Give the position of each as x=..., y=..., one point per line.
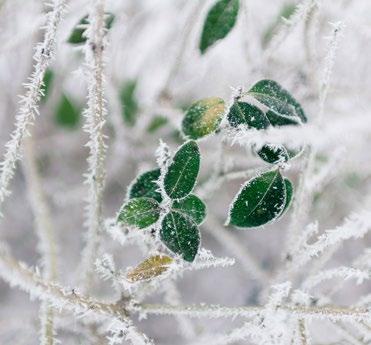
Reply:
x=220, y=20
x=203, y=117
x=191, y=206
x=260, y=201
x=242, y=113
x=289, y=193
x=183, y=170
x=129, y=103
x=145, y=185
x=156, y=123
x=67, y=115
x=47, y=83
x=181, y=235
x=140, y=212
x=78, y=34
x=283, y=108
x=273, y=154
x=286, y=11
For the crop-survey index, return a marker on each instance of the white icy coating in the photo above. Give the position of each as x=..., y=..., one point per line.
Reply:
x=301, y=280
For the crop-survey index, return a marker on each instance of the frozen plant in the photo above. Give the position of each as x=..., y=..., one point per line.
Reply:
x=197, y=164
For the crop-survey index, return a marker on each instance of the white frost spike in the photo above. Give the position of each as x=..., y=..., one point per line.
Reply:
x=29, y=108
x=339, y=272
x=278, y=294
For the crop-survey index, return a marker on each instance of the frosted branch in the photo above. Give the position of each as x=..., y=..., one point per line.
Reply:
x=29, y=108
x=95, y=119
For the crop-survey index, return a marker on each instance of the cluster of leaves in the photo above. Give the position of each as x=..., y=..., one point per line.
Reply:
x=265, y=197
x=164, y=201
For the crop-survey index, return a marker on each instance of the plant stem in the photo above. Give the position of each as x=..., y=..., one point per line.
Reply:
x=95, y=119
x=29, y=108
x=45, y=232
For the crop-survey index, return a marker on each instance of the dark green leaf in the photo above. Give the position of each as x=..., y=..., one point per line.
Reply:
x=242, y=113
x=273, y=154
x=67, y=115
x=145, y=185
x=283, y=108
x=181, y=235
x=289, y=193
x=47, y=83
x=183, y=170
x=220, y=20
x=78, y=34
x=203, y=117
x=110, y=18
x=156, y=123
x=140, y=212
x=191, y=206
x=129, y=102
x=260, y=201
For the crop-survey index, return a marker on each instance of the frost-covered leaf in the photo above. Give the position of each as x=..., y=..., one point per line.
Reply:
x=183, y=170
x=191, y=206
x=289, y=193
x=145, y=185
x=156, y=123
x=47, y=81
x=129, y=102
x=150, y=268
x=181, y=235
x=67, y=114
x=260, y=201
x=242, y=113
x=140, y=212
x=273, y=153
x=203, y=117
x=283, y=108
x=220, y=20
x=78, y=34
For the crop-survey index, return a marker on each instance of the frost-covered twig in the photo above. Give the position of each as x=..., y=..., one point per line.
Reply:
x=338, y=272
x=46, y=239
x=304, y=196
x=355, y=226
x=332, y=313
x=29, y=109
x=95, y=119
x=301, y=13
x=18, y=274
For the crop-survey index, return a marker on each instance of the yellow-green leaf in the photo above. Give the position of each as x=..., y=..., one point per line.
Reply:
x=203, y=117
x=150, y=268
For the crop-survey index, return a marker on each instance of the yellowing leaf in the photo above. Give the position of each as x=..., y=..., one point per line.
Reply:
x=150, y=268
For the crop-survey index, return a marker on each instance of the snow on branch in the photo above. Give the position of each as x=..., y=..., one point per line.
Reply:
x=356, y=226
x=29, y=108
x=332, y=313
x=339, y=272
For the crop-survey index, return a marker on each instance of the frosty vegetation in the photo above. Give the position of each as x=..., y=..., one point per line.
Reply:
x=185, y=172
